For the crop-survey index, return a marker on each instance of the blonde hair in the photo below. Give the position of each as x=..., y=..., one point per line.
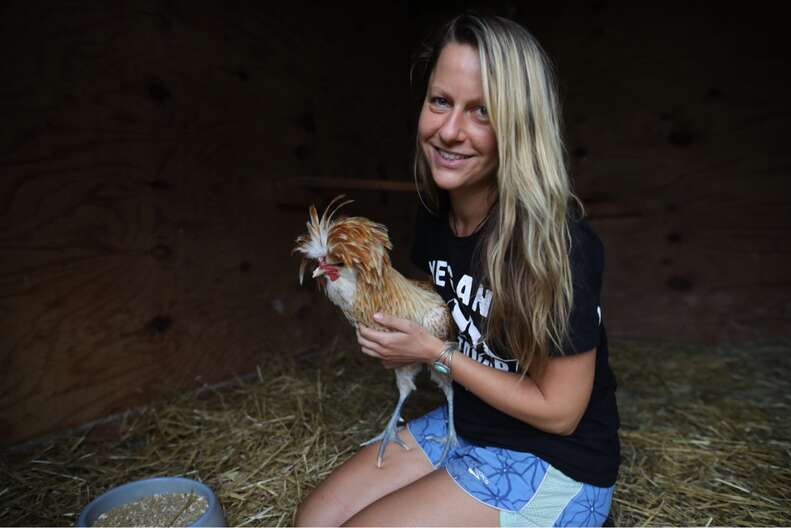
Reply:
x=525, y=251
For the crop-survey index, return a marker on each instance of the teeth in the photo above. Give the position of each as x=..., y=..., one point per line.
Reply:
x=451, y=157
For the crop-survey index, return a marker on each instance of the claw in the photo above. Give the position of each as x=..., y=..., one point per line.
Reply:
x=450, y=440
x=400, y=443
x=395, y=439
x=390, y=434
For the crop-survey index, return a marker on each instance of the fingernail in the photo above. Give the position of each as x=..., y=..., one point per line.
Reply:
x=377, y=316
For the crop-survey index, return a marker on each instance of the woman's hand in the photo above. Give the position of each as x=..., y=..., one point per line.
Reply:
x=407, y=342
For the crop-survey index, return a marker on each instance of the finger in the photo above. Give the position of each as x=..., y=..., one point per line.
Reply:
x=368, y=333
x=367, y=343
x=391, y=321
x=370, y=352
x=377, y=336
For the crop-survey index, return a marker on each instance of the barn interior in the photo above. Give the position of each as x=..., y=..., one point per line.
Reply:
x=158, y=162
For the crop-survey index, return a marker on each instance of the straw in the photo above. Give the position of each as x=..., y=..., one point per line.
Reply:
x=705, y=438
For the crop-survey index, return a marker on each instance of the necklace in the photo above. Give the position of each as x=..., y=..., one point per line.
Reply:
x=477, y=227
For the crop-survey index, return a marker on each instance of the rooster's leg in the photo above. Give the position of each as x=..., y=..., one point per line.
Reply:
x=394, y=419
x=405, y=380
x=450, y=439
x=390, y=434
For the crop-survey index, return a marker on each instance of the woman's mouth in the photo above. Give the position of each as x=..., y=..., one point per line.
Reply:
x=448, y=158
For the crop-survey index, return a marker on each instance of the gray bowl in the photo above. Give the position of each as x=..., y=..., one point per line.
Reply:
x=138, y=489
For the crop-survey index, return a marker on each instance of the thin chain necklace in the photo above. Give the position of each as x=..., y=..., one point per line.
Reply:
x=477, y=227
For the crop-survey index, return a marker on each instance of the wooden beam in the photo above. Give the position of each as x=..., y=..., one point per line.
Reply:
x=351, y=183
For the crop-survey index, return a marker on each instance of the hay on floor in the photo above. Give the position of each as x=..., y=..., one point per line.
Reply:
x=705, y=439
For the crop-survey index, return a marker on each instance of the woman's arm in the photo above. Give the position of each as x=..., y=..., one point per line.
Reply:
x=554, y=403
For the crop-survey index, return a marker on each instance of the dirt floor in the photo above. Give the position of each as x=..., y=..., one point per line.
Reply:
x=705, y=438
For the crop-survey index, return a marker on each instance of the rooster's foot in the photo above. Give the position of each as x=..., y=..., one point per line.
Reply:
x=390, y=434
x=450, y=440
x=395, y=439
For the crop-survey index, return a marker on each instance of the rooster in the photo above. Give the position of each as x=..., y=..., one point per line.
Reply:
x=353, y=268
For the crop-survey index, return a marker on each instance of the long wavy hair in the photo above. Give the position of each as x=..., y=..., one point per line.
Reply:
x=524, y=252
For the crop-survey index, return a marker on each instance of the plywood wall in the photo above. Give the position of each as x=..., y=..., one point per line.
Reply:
x=145, y=235
x=147, y=215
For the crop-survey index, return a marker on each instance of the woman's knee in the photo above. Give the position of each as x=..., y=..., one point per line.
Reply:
x=310, y=513
x=358, y=483
x=299, y=516
x=303, y=515
x=316, y=512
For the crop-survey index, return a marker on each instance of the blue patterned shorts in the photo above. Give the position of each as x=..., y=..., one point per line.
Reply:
x=526, y=490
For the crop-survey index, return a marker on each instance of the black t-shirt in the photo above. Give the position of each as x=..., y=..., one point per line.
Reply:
x=592, y=453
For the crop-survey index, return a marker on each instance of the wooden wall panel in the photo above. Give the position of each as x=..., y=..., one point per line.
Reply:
x=676, y=124
x=146, y=215
x=143, y=246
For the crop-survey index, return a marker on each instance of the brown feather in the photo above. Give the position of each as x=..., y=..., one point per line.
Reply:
x=364, y=245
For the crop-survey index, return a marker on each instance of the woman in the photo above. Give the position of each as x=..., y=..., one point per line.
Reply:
x=507, y=248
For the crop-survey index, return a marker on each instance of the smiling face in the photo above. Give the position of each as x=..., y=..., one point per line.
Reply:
x=454, y=131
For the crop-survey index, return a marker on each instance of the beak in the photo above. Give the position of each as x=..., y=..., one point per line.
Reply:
x=318, y=271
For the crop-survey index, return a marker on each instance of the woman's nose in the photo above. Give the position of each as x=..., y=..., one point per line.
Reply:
x=452, y=129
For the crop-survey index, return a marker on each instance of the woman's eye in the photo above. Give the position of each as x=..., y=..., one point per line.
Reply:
x=439, y=101
x=482, y=112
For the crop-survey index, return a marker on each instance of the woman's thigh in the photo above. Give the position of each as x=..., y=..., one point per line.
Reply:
x=434, y=500
x=358, y=482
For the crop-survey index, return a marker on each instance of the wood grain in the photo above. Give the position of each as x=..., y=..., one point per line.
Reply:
x=137, y=250
x=159, y=159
